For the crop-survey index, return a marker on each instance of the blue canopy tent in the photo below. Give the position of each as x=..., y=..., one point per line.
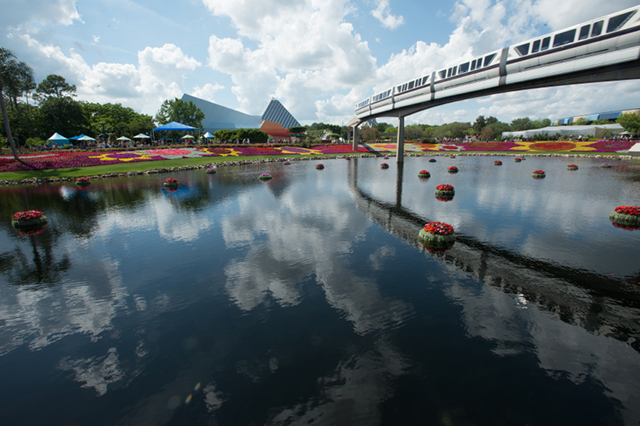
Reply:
x=58, y=139
x=174, y=125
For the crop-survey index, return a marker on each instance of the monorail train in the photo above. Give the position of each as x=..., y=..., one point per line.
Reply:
x=608, y=40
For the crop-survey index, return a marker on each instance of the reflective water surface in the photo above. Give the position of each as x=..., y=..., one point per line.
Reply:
x=308, y=299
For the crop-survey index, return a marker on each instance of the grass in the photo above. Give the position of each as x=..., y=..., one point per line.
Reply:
x=139, y=166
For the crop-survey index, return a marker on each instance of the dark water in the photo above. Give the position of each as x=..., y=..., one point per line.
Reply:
x=308, y=299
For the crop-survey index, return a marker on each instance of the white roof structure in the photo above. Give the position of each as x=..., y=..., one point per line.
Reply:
x=593, y=130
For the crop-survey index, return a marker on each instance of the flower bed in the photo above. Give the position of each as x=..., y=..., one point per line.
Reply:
x=319, y=166
x=211, y=171
x=497, y=163
x=538, y=174
x=437, y=235
x=605, y=166
x=264, y=176
x=445, y=191
x=572, y=167
x=424, y=174
x=171, y=183
x=29, y=220
x=384, y=166
x=452, y=169
x=83, y=181
x=628, y=216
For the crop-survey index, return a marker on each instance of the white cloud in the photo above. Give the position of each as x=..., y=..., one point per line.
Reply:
x=383, y=14
x=207, y=91
x=39, y=13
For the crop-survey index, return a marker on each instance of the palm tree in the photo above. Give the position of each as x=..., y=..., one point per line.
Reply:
x=13, y=76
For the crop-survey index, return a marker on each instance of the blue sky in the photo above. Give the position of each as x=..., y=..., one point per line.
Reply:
x=318, y=57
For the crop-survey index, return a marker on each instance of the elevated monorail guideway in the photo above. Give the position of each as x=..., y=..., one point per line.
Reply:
x=579, y=297
x=602, y=49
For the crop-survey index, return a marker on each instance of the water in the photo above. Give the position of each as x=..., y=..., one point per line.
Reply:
x=309, y=299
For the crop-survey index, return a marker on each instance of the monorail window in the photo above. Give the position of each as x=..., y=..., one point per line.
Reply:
x=454, y=70
x=410, y=85
x=488, y=59
x=535, y=47
x=584, y=32
x=523, y=49
x=473, y=65
x=617, y=22
x=597, y=29
x=464, y=67
x=545, y=43
x=424, y=80
x=449, y=72
x=399, y=89
x=443, y=74
x=564, y=38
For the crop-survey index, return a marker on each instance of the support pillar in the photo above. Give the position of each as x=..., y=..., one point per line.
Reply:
x=355, y=138
x=400, y=148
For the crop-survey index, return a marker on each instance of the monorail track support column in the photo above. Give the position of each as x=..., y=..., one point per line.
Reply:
x=355, y=138
x=400, y=149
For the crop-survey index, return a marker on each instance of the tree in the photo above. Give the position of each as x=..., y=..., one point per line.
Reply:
x=479, y=124
x=182, y=112
x=630, y=122
x=299, y=129
x=370, y=134
x=63, y=115
x=499, y=128
x=521, y=124
x=13, y=73
x=55, y=86
x=486, y=134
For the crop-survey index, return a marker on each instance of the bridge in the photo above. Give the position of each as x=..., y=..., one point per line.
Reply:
x=597, y=303
x=599, y=50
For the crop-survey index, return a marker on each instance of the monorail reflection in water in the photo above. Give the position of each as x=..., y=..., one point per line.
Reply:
x=309, y=298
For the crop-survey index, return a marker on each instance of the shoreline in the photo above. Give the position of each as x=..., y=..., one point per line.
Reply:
x=161, y=170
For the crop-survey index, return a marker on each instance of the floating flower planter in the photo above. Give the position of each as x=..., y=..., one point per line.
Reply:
x=386, y=157
x=517, y=159
x=30, y=220
x=572, y=167
x=452, y=156
x=264, y=176
x=319, y=166
x=437, y=235
x=286, y=162
x=347, y=158
x=497, y=163
x=452, y=169
x=445, y=191
x=424, y=174
x=432, y=160
x=211, y=171
x=538, y=174
x=626, y=216
x=83, y=181
x=384, y=166
x=605, y=166
x=171, y=183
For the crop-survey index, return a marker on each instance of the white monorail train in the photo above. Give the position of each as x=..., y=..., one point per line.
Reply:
x=609, y=40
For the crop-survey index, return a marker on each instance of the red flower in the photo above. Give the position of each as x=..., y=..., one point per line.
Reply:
x=453, y=169
x=384, y=165
x=630, y=210
x=171, y=180
x=423, y=172
x=438, y=228
x=445, y=187
x=538, y=172
x=572, y=165
x=83, y=179
x=28, y=215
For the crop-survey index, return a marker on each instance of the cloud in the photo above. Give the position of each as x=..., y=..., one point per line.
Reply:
x=39, y=13
x=383, y=14
x=207, y=91
x=160, y=74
